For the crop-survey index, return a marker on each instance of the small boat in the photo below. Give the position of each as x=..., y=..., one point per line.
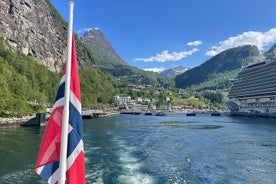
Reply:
x=160, y=114
x=136, y=113
x=130, y=112
x=191, y=114
x=148, y=114
x=215, y=114
x=87, y=116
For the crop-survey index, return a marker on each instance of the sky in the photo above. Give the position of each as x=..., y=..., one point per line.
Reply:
x=160, y=34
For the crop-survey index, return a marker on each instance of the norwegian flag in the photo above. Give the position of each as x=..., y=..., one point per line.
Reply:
x=47, y=164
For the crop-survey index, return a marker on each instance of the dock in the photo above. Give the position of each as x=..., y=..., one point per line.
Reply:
x=88, y=114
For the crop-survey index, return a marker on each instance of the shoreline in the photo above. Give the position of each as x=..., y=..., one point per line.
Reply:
x=86, y=114
x=14, y=121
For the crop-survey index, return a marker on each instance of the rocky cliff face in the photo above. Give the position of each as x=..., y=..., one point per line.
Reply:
x=174, y=71
x=33, y=27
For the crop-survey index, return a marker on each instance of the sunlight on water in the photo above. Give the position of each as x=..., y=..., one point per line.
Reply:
x=174, y=149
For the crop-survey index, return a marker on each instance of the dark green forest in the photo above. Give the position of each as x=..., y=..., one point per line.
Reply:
x=132, y=75
x=29, y=87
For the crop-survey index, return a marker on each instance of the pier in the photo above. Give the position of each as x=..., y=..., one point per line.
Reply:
x=88, y=114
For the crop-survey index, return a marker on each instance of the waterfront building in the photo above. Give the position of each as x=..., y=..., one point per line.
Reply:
x=122, y=100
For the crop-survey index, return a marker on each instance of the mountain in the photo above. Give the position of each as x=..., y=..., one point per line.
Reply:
x=112, y=64
x=271, y=53
x=33, y=40
x=216, y=72
x=103, y=51
x=174, y=71
x=35, y=28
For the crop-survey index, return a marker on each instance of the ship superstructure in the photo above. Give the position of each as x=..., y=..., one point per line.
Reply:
x=254, y=90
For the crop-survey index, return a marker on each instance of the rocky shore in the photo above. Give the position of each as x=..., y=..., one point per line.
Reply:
x=40, y=119
x=15, y=121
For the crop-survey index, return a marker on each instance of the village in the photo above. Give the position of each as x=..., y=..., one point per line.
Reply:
x=147, y=99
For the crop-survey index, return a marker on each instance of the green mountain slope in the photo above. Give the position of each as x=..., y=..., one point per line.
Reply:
x=110, y=62
x=28, y=87
x=216, y=72
x=104, y=53
x=32, y=55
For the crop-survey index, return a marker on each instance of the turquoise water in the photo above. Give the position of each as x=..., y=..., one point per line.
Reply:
x=157, y=149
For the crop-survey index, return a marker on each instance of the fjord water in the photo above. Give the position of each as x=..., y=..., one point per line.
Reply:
x=156, y=149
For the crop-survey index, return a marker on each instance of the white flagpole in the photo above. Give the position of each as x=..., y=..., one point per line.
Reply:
x=65, y=117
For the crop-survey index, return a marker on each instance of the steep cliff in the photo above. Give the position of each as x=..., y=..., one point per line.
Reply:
x=34, y=27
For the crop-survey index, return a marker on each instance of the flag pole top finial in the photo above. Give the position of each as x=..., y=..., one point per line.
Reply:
x=71, y=3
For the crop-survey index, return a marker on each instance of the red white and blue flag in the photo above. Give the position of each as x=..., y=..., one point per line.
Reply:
x=47, y=164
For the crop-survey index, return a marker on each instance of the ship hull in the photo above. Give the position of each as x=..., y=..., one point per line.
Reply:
x=238, y=108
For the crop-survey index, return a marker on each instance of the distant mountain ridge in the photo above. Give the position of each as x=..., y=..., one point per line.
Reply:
x=174, y=71
x=216, y=72
x=35, y=28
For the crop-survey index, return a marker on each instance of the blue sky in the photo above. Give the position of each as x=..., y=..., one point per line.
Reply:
x=159, y=34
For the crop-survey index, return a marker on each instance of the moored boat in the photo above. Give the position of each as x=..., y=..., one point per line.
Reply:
x=148, y=114
x=215, y=113
x=160, y=114
x=191, y=114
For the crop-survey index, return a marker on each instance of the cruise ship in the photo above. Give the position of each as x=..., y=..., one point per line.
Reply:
x=254, y=91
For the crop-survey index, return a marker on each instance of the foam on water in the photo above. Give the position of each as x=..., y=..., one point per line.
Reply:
x=88, y=151
x=130, y=165
x=126, y=157
x=137, y=178
x=95, y=177
x=20, y=177
x=170, y=149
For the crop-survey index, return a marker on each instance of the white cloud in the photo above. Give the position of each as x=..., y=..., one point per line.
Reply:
x=155, y=69
x=83, y=30
x=194, y=43
x=260, y=39
x=166, y=56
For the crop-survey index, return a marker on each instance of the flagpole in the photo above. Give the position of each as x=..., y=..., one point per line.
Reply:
x=65, y=117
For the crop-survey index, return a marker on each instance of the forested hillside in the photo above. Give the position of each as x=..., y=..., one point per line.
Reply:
x=216, y=72
x=28, y=87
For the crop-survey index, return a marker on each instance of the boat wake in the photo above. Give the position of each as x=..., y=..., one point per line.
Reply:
x=20, y=177
x=131, y=166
